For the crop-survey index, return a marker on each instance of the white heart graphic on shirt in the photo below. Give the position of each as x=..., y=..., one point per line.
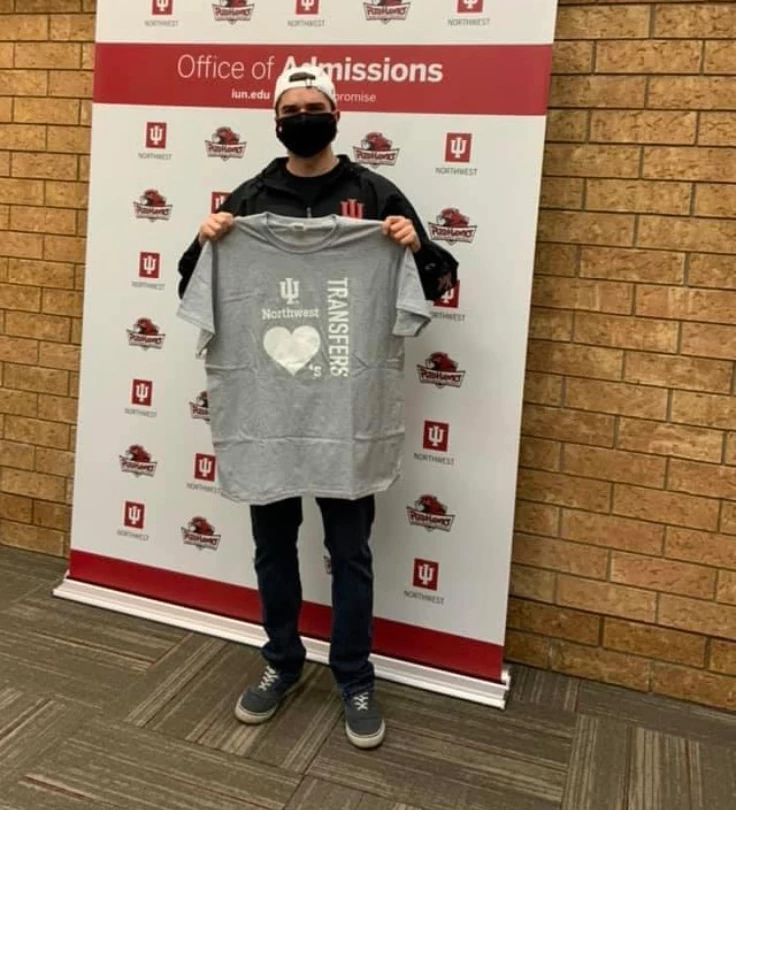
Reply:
x=292, y=350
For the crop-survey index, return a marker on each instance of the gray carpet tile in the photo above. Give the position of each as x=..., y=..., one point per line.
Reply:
x=659, y=776
x=599, y=765
x=713, y=776
x=22, y=573
x=316, y=795
x=530, y=686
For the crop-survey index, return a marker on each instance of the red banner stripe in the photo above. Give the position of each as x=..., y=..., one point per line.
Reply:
x=508, y=80
x=437, y=649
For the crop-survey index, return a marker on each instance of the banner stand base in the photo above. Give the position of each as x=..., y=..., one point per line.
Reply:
x=478, y=690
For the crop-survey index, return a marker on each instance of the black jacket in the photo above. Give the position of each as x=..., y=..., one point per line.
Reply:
x=271, y=192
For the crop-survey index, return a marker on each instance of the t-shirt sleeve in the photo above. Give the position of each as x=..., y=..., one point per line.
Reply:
x=413, y=311
x=197, y=306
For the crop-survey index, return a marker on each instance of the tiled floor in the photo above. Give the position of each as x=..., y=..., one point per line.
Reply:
x=99, y=710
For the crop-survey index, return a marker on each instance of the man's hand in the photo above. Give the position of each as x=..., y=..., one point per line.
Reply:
x=402, y=231
x=215, y=227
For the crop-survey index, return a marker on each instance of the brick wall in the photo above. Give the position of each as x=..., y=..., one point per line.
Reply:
x=624, y=545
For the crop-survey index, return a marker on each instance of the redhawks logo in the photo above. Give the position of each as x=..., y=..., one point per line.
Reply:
x=376, y=150
x=386, y=10
x=232, y=11
x=145, y=334
x=307, y=8
x=137, y=461
x=450, y=299
x=217, y=201
x=225, y=144
x=199, y=408
x=149, y=265
x=199, y=532
x=430, y=513
x=162, y=8
x=152, y=205
x=458, y=147
x=470, y=6
x=141, y=392
x=205, y=467
x=352, y=208
x=156, y=136
x=452, y=226
x=133, y=514
x=435, y=437
x=440, y=370
x=425, y=574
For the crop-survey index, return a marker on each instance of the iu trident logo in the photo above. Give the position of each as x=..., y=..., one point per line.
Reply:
x=205, y=467
x=157, y=135
x=458, y=147
x=425, y=574
x=149, y=265
x=133, y=515
x=289, y=291
x=162, y=8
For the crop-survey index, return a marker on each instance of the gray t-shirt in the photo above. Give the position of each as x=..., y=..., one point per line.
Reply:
x=302, y=323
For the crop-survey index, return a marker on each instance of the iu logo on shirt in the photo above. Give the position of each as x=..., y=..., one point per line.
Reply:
x=425, y=574
x=450, y=299
x=217, y=200
x=149, y=265
x=307, y=8
x=290, y=291
x=232, y=11
x=458, y=147
x=133, y=514
x=470, y=6
x=205, y=467
x=162, y=8
x=156, y=136
x=435, y=437
x=352, y=208
x=141, y=392
x=386, y=10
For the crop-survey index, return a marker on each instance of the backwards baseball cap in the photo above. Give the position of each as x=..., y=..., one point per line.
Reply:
x=306, y=76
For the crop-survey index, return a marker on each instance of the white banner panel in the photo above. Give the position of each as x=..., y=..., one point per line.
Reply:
x=445, y=97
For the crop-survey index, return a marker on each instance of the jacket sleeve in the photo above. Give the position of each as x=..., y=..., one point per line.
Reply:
x=191, y=254
x=438, y=270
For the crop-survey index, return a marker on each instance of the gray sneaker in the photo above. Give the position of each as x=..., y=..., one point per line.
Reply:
x=260, y=701
x=365, y=725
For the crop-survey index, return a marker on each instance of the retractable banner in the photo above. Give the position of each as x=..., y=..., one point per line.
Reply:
x=448, y=99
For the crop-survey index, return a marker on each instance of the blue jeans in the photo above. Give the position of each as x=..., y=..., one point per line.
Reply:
x=347, y=525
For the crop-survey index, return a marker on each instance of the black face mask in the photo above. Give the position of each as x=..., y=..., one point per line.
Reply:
x=306, y=134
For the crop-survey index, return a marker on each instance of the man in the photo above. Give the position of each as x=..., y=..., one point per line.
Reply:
x=314, y=182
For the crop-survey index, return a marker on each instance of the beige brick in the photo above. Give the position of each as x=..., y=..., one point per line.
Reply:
x=86, y=108
x=572, y=56
x=64, y=249
x=605, y=21
x=43, y=166
x=567, y=126
x=717, y=129
x=528, y=649
x=601, y=665
x=715, y=199
x=606, y=598
x=604, y=229
x=54, y=462
x=665, y=438
x=553, y=622
x=727, y=518
x=540, y=486
x=556, y=555
x=62, y=302
x=726, y=587
x=612, y=532
x=69, y=139
x=700, y=235
x=6, y=51
x=617, y=398
x=702, y=408
x=713, y=271
x=709, y=163
x=638, y=196
x=41, y=219
x=45, y=56
x=623, y=332
x=563, y=424
x=84, y=168
x=648, y=56
x=643, y=126
x=671, y=508
x=68, y=195
x=720, y=57
x=707, y=548
x=554, y=324
x=58, y=409
x=534, y=583
x=563, y=358
x=32, y=484
x=564, y=159
x=19, y=297
x=17, y=455
x=23, y=83
x=543, y=389
x=31, y=109
x=15, y=508
x=701, y=305
x=72, y=27
x=693, y=685
x=24, y=27
x=22, y=191
x=729, y=455
x=70, y=83
x=57, y=355
x=710, y=375
x=30, y=272
x=561, y=192
x=539, y=453
x=556, y=259
x=32, y=538
x=537, y=519
x=695, y=20
x=718, y=481
x=17, y=403
x=33, y=379
x=707, y=617
x=23, y=137
x=21, y=244
x=23, y=351
x=590, y=295
x=707, y=339
x=650, y=641
x=52, y=515
x=722, y=656
x=633, y=265
x=661, y=574
x=692, y=93
x=613, y=465
x=29, y=326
